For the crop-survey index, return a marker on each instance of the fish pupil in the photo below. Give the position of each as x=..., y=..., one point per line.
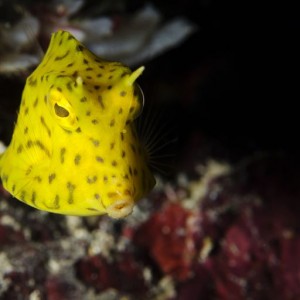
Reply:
x=60, y=111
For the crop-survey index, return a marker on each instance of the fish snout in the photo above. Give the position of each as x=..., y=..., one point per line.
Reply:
x=119, y=200
x=120, y=208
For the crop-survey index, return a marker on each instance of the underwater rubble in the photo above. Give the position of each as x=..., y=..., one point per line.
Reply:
x=232, y=233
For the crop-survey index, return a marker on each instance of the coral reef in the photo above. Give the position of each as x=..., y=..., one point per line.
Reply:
x=239, y=240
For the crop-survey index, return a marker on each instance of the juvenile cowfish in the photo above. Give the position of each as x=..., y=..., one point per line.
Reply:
x=75, y=149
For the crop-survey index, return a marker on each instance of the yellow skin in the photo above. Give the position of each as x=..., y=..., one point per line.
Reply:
x=75, y=149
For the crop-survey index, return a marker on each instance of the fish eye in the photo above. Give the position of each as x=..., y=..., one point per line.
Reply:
x=60, y=111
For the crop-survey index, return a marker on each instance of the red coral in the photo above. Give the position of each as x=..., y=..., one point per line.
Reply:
x=169, y=236
x=288, y=275
x=96, y=272
x=125, y=274
x=19, y=285
x=255, y=259
x=200, y=286
x=57, y=289
x=10, y=236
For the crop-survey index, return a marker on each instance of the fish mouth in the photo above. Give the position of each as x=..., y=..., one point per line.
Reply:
x=120, y=208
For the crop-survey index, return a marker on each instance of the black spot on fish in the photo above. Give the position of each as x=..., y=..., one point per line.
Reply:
x=112, y=123
x=112, y=145
x=40, y=145
x=62, y=155
x=32, y=82
x=45, y=126
x=67, y=131
x=79, y=48
x=33, y=198
x=20, y=149
x=29, y=169
x=71, y=187
x=77, y=159
x=22, y=195
x=62, y=56
x=37, y=178
x=29, y=144
x=91, y=179
x=92, y=209
x=36, y=102
x=95, y=142
x=99, y=159
x=51, y=177
x=100, y=100
x=56, y=202
x=69, y=86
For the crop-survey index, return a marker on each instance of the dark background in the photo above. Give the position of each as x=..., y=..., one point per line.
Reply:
x=236, y=80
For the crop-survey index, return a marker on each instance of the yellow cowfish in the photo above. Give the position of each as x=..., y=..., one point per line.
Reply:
x=75, y=149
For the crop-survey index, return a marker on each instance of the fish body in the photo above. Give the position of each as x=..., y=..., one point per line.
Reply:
x=75, y=149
